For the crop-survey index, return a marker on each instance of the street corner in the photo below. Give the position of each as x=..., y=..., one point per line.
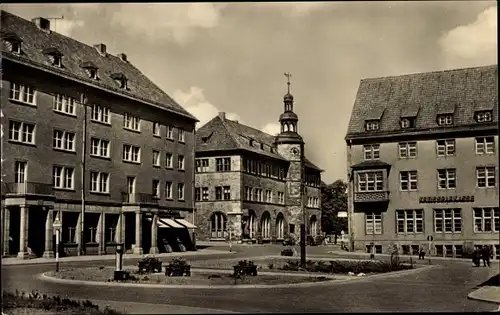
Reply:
x=489, y=294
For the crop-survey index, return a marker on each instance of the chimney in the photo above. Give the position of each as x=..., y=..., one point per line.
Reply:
x=122, y=56
x=222, y=115
x=101, y=48
x=42, y=23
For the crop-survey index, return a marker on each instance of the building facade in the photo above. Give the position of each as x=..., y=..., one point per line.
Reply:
x=90, y=141
x=422, y=154
x=248, y=183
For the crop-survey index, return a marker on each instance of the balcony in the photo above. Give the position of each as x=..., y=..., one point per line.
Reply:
x=139, y=198
x=27, y=188
x=371, y=196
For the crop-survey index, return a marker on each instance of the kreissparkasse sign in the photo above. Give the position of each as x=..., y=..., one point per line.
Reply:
x=442, y=199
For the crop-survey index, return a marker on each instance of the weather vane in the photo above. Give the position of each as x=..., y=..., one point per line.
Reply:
x=288, y=75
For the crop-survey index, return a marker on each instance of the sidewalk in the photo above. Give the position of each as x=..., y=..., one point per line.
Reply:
x=487, y=294
x=15, y=261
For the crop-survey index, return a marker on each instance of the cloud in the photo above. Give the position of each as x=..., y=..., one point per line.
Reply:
x=173, y=21
x=194, y=102
x=271, y=128
x=296, y=9
x=65, y=26
x=472, y=44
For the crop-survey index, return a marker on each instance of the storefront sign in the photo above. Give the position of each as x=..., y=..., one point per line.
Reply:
x=442, y=199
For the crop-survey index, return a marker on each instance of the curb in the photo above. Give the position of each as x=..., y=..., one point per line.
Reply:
x=477, y=295
x=45, y=277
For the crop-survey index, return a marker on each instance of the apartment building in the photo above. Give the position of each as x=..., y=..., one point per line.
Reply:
x=422, y=155
x=92, y=142
x=254, y=187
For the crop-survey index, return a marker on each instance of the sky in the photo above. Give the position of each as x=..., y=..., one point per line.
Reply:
x=231, y=57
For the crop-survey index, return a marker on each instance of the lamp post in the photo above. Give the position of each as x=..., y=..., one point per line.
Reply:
x=57, y=227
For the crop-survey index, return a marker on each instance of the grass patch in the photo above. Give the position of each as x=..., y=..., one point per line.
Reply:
x=36, y=303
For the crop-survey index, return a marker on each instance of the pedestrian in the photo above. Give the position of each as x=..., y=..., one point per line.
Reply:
x=486, y=254
x=421, y=253
x=475, y=257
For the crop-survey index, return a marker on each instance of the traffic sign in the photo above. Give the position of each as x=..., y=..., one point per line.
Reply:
x=342, y=232
x=430, y=238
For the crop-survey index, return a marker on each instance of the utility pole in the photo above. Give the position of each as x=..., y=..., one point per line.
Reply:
x=83, y=101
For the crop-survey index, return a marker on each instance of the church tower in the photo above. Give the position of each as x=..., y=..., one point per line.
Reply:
x=290, y=145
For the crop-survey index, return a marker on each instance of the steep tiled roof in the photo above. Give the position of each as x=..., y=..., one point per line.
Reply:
x=75, y=53
x=460, y=91
x=221, y=134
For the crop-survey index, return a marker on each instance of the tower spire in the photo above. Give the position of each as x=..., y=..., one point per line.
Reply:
x=288, y=75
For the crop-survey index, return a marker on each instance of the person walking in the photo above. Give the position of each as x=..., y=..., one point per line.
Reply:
x=486, y=254
x=476, y=257
x=421, y=253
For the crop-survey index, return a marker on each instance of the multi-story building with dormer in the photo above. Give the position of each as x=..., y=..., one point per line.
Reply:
x=422, y=153
x=91, y=141
x=252, y=185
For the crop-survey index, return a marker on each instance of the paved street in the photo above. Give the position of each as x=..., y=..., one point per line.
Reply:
x=444, y=288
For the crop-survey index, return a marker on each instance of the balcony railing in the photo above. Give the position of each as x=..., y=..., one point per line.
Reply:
x=371, y=196
x=27, y=188
x=139, y=198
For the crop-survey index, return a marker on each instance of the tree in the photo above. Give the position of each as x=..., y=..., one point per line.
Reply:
x=333, y=200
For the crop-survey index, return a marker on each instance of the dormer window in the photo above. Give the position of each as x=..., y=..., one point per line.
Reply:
x=92, y=73
x=484, y=116
x=13, y=43
x=372, y=125
x=445, y=120
x=91, y=69
x=407, y=122
x=251, y=142
x=121, y=79
x=55, y=56
x=262, y=146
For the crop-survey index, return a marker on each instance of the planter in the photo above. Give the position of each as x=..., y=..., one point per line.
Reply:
x=177, y=271
x=121, y=275
x=245, y=270
x=92, y=249
x=149, y=267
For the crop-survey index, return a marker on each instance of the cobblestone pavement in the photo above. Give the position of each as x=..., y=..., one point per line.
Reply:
x=444, y=288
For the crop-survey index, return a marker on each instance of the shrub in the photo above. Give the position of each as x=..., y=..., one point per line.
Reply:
x=179, y=263
x=149, y=264
x=287, y=252
x=245, y=268
x=270, y=266
x=246, y=263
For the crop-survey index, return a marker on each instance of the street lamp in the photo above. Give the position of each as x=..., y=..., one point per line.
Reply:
x=57, y=227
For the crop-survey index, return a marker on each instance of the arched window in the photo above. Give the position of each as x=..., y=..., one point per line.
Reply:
x=265, y=225
x=314, y=226
x=292, y=127
x=285, y=126
x=252, y=224
x=218, y=225
x=280, y=226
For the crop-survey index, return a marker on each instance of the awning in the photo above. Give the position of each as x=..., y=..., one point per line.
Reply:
x=187, y=224
x=160, y=224
x=171, y=223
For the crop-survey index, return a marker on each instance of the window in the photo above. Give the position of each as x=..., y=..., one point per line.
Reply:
x=248, y=193
x=110, y=236
x=281, y=197
x=201, y=165
x=197, y=194
x=170, y=132
x=223, y=164
x=22, y=93
x=57, y=60
x=156, y=158
x=64, y=140
x=227, y=192
x=486, y=177
x=407, y=123
x=486, y=220
x=131, y=153
x=204, y=193
x=408, y=180
x=257, y=195
x=15, y=47
x=92, y=72
x=168, y=160
x=484, y=116
x=373, y=223
x=410, y=221
x=218, y=225
x=269, y=196
x=156, y=188
x=407, y=150
x=485, y=145
x=445, y=147
x=156, y=129
x=371, y=152
x=130, y=184
x=180, y=191
x=64, y=104
x=223, y=193
x=99, y=182
x=180, y=162
x=168, y=190
x=180, y=135
x=445, y=120
x=372, y=125
x=63, y=177
x=447, y=179
x=370, y=181
x=100, y=114
x=21, y=132
x=131, y=122
x=447, y=220
x=99, y=147
x=20, y=171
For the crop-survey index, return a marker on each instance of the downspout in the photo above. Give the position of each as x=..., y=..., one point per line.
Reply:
x=83, y=100
x=350, y=195
x=193, y=184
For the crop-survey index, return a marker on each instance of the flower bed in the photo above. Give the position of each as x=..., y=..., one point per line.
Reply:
x=197, y=278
